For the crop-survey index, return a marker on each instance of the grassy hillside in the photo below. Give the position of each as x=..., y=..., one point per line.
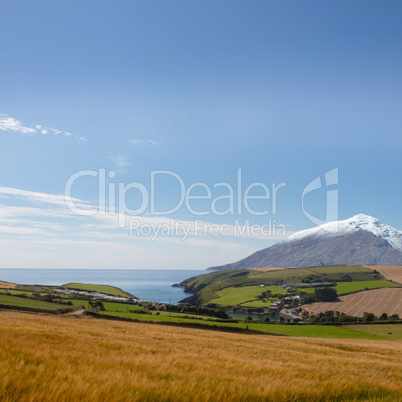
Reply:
x=30, y=303
x=109, y=290
x=58, y=358
x=234, y=287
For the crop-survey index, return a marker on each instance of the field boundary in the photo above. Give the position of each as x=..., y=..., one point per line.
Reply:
x=184, y=324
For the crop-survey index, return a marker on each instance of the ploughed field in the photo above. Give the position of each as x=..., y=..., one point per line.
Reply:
x=58, y=358
x=390, y=272
x=377, y=301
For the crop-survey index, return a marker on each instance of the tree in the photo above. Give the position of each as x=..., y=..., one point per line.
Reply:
x=325, y=294
x=384, y=316
x=368, y=317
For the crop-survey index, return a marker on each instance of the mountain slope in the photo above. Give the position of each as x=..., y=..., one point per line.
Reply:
x=360, y=240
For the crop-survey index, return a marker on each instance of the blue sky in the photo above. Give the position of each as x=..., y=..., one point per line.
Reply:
x=284, y=91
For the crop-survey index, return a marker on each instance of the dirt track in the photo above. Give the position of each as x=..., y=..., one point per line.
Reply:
x=390, y=272
x=377, y=301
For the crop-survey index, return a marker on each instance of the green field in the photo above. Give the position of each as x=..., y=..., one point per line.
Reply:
x=30, y=303
x=110, y=290
x=314, y=331
x=241, y=295
x=350, y=287
x=392, y=332
x=122, y=308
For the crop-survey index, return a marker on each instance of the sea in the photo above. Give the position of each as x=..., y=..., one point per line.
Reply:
x=150, y=285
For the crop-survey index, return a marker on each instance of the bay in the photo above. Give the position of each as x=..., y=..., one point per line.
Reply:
x=150, y=285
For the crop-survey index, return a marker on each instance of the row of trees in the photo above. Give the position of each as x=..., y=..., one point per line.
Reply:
x=335, y=317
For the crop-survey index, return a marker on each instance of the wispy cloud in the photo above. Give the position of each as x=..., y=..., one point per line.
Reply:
x=11, y=124
x=139, y=141
x=57, y=199
x=39, y=230
x=120, y=161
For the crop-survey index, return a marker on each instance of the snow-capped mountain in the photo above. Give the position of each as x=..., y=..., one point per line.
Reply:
x=361, y=239
x=357, y=222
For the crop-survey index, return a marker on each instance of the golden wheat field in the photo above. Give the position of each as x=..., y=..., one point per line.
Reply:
x=49, y=358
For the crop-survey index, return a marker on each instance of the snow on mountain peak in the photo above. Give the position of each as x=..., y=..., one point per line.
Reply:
x=357, y=222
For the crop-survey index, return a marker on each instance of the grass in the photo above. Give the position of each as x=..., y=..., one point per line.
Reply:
x=240, y=295
x=174, y=317
x=116, y=308
x=257, y=303
x=31, y=303
x=340, y=269
x=350, y=287
x=110, y=290
x=392, y=332
x=65, y=358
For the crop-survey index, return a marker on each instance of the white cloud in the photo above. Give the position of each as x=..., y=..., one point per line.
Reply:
x=139, y=141
x=119, y=161
x=134, y=141
x=11, y=124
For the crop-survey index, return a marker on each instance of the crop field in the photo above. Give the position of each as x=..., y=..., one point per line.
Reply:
x=391, y=272
x=30, y=303
x=110, y=290
x=377, y=301
x=7, y=285
x=65, y=358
